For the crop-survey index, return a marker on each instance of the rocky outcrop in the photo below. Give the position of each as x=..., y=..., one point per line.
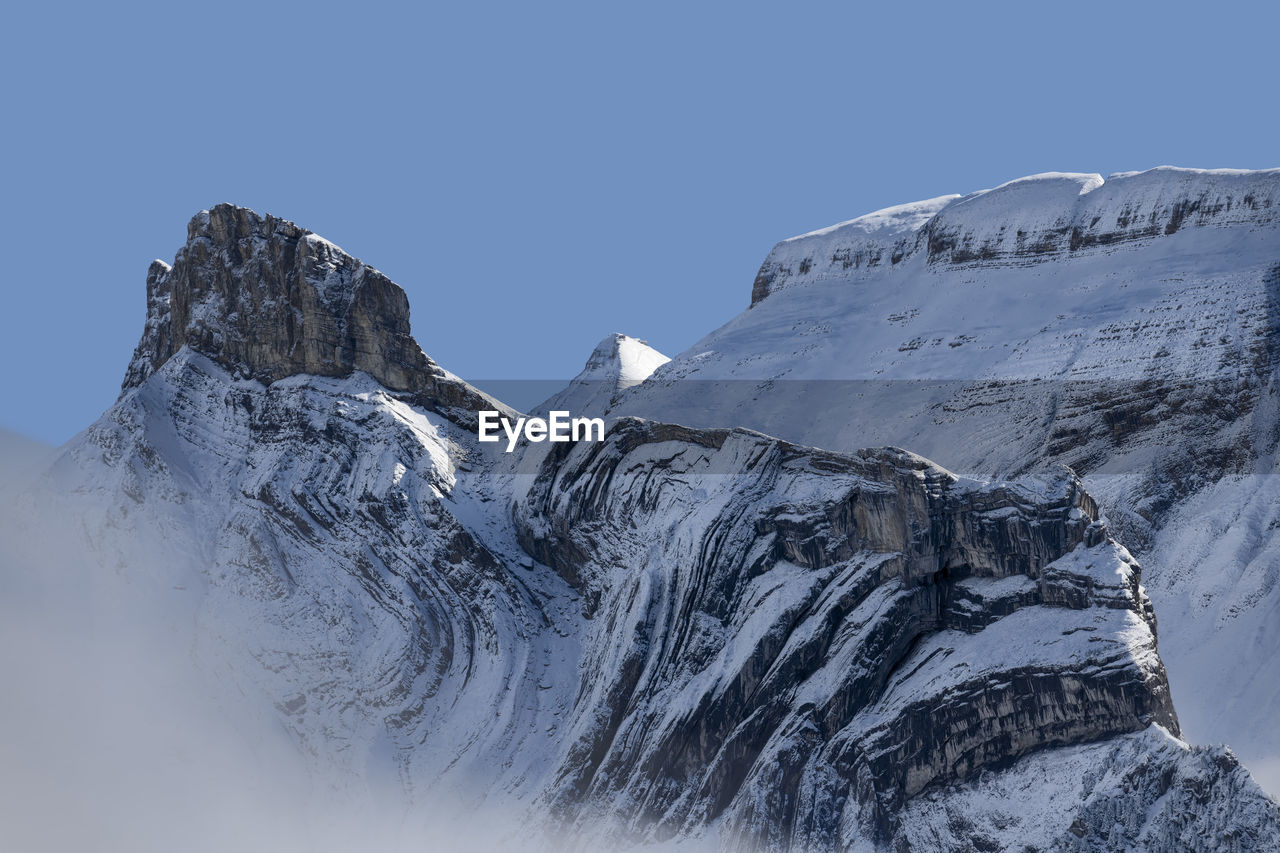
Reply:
x=794, y=641
x=267, y=299
x=1145, y=791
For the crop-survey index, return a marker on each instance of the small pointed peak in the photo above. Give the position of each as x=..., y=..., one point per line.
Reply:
x=625, y=360
x=606, y=351
x=608, y=344
x=617, y=363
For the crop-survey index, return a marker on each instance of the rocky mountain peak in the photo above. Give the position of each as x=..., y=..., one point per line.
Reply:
x=267, y=299
x=226, y=224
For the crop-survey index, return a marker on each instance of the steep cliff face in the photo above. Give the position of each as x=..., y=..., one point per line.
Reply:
x=1125, y=328
x=800, y=642
x=676, y=633
x=267, y=299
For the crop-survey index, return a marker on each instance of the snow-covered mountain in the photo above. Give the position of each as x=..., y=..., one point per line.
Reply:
x=694, y=634
x=1126, y=327
x=617, y=363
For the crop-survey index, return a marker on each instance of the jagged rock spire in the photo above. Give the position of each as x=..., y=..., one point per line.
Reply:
x=268, y=299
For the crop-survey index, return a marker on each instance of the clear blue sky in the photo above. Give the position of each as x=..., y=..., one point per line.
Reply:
x=537, y=175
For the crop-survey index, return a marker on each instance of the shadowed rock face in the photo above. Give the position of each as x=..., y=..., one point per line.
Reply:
x=265, y=298
x=776, y=620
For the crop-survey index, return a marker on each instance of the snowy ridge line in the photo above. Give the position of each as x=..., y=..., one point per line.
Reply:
x=1025, y=221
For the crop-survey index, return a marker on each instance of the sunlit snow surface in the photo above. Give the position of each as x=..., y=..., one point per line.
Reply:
x=617, y=363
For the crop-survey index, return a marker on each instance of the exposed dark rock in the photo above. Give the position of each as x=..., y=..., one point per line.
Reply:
x=890, y=547
x=267, y=299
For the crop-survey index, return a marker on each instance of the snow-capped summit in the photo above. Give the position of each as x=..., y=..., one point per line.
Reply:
x=626, y=359
x=617, y=363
